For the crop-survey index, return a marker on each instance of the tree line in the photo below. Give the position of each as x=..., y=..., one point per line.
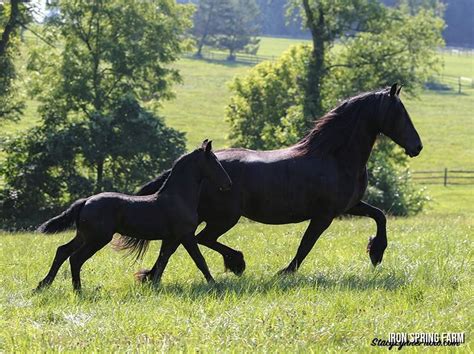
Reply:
x=102, y=69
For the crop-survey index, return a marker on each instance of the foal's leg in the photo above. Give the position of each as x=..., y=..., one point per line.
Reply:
x=233, y=259
x=377, y=244
x=189, y=242
x=168, y=247
x=86, y=251
x=62, y=253
x=315, y=229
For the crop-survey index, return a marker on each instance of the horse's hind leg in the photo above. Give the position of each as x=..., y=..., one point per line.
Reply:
x=377, y=244
x=189, y=242
x=233, y=259
x=86, y=251
x=62, y=253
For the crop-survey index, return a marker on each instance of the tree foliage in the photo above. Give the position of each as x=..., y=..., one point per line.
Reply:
x=12, y=15
x=207, y=24
x=227, y=24
x=110, y=58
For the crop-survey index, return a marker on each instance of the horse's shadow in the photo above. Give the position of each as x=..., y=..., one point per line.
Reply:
x=251, y=285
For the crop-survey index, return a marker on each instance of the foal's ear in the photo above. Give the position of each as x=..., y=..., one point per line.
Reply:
x=208, y=148
x=393, y=90
x=399, y=89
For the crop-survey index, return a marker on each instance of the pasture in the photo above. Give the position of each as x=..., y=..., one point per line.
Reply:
x=337, y=301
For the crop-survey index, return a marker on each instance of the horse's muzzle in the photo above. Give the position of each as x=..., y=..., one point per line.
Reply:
x=414, y=152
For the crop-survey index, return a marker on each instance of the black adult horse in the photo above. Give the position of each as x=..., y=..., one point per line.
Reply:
x=321, y=177
x=170, y=214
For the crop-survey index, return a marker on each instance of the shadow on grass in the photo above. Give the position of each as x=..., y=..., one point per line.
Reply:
x=248, y=286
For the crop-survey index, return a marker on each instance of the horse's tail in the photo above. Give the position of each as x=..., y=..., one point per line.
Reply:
x=64, y=220
x=137, y=246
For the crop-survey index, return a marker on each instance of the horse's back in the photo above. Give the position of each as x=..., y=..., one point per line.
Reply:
x=278, y=186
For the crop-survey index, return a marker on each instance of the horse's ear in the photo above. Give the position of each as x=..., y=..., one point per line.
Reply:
x=399, y=89
x=208, y=146
x=393, y=90
x=204, y=144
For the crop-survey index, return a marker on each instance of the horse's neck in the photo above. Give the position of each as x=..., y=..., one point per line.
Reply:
x=356, y=153
x=185, y=183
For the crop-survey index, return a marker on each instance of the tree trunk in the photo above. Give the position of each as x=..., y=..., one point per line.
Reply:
x=316, y=67
x=10, y=26
x=100, y=176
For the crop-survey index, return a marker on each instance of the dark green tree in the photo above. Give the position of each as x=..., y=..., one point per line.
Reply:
x=238, y=28
x=12, y=17
x=207, y=22
x=110, y=59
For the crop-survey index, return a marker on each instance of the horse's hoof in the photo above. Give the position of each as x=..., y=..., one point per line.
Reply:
x=235, y=263
x=376, y=248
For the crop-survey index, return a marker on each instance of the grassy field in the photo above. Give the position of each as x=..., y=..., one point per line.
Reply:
x=337, y=302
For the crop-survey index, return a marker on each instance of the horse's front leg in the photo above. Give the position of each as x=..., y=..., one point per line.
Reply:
x=377, y=245
x=315, y=229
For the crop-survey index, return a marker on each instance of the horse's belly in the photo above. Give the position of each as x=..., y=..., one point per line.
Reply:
x=288, y=203
x=285, y=191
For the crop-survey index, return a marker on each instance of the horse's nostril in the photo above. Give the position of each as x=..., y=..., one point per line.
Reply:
x=420, y=147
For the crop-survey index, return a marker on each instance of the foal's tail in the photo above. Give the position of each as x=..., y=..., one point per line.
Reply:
x=135, y=246
x=64, y=220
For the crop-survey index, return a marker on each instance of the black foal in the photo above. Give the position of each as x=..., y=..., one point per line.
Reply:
x=169, y=215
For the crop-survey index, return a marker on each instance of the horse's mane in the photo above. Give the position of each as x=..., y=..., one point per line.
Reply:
x=334, y=131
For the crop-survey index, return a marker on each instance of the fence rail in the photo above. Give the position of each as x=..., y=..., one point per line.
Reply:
x=444, y=177
x=238, y=57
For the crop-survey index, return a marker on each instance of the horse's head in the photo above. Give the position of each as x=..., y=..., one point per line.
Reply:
x=396, y=123
x=212, y=168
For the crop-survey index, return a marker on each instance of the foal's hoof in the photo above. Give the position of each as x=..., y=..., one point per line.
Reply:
x=235, y=263
x=142, y=275
x=375, y=249
x=286, y=271
x=41, y=286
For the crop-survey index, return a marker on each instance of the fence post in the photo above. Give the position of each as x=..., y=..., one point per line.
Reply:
x=445, y=176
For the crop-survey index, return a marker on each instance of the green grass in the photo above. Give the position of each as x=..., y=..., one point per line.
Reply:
x=270, y=46
x=446, y=126
x=200, y=101
x=336, y=302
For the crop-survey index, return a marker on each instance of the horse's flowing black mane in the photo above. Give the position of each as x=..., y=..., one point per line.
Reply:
x=335, y=129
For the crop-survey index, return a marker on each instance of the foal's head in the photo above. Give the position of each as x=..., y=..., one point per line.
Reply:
x=211, y=168
x=395, y=122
